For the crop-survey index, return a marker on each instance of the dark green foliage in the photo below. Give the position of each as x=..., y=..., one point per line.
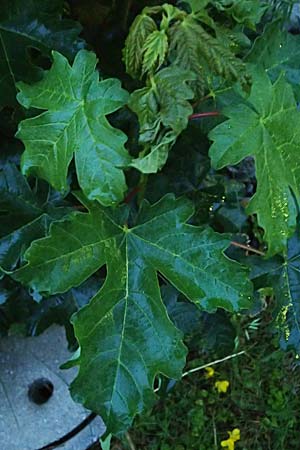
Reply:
x=125, y=246
x=267, y=127
x=282, y=274
x=192, y=415
x=27, y=33
x=189, y=257
x=188, y=44
x=74, y=129
x=163, y=111
x=25, y=215
x=277, y=51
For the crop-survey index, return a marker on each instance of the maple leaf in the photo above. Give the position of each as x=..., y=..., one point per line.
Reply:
x=266, y=126
x=75, y=123
x=247, y=12
x=282, y=273
x=125, y=335
x=141, y=28
x=278, y=51
x=155, y=49
x=24, y=217
x=34, y=25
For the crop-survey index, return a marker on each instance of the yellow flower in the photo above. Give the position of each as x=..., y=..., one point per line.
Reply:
x=234, y=436
x=222, y=386
x=209, y=372
x=229, y=443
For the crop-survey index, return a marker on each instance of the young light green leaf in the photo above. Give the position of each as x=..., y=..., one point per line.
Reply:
x=142, y=27
x=158, y=155
x=154, y=51
x=125, y=335
x=193, y=48
x=267, y=127
x=75, y=124
x=37, y=25
x=146, y=45
x=163, y=111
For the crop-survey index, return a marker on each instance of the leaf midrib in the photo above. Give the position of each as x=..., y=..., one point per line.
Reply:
x=286, y=269
x=24, y=35
x=113, y=390
x=7, y=59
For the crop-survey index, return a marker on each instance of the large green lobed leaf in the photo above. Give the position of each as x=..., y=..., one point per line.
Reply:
x=278, y=51
x=287, y=291
x=75, y=124
x=125, y=334
x=266, y=126
x=283, y=275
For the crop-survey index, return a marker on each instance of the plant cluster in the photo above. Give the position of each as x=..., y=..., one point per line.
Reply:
x=145, y=192
x=261, y=399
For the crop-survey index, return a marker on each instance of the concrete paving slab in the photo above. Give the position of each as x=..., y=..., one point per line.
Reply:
x=25, y=425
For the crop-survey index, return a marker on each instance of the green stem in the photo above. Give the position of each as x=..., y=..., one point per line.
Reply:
x=129, y=441
x=247, y=248
x=212, y=363
x=215, y=432
x=144, y=177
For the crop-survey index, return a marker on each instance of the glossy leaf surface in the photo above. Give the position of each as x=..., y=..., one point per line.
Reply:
x=283, y=275
x=277, y=51
x=75, y=124
x=267, y=127
x=125, y=335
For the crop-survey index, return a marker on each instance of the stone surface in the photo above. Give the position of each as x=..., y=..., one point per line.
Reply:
x=25, y=425
x=294, y=21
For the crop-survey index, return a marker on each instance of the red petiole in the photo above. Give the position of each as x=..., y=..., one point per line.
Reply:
x=205, y=114
x=132, y=194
